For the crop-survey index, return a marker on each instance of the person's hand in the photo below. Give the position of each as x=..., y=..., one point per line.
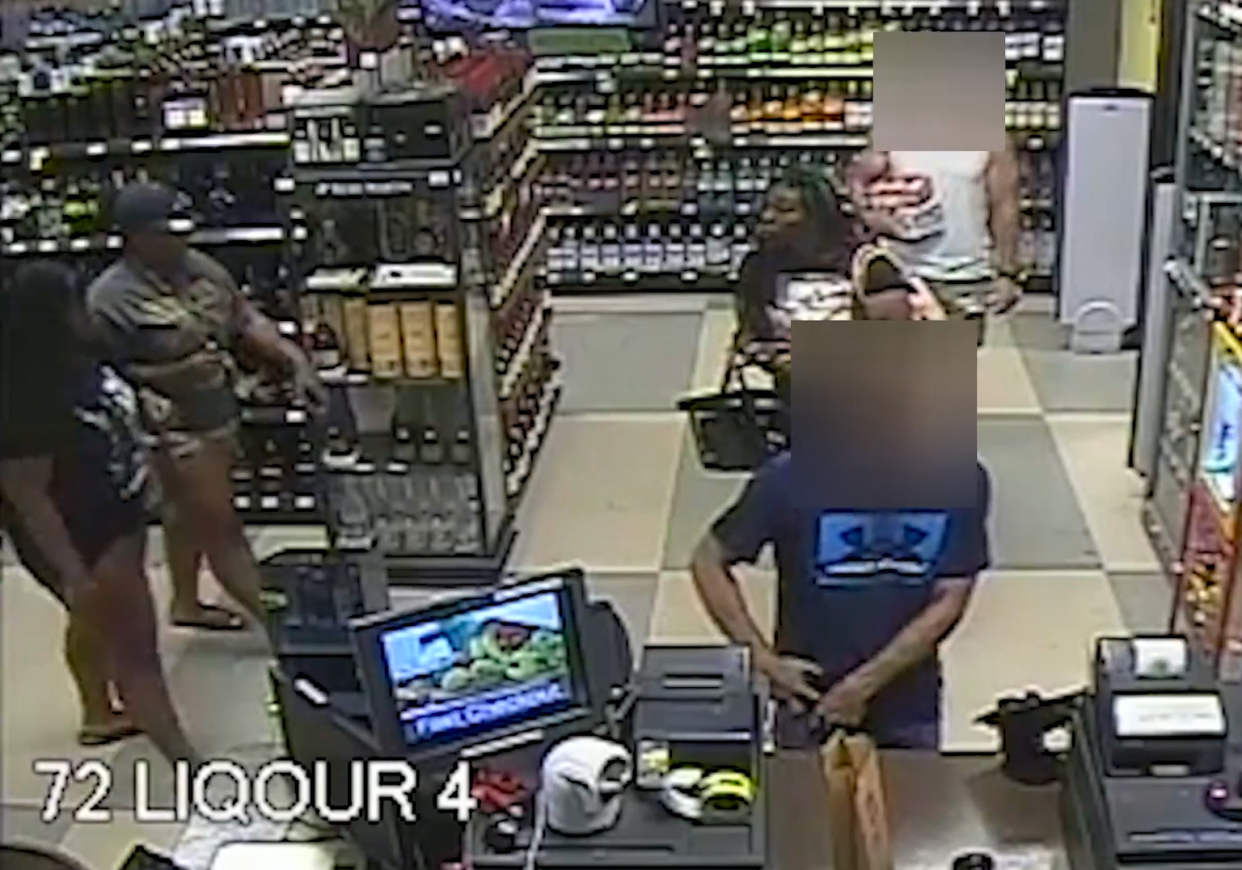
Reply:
x=845, y=703
x=1004, y=295
x=791, y=680
x=308, y=389
x=925, y=304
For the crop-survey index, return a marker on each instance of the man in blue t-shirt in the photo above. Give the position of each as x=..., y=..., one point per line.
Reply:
x=865, y=597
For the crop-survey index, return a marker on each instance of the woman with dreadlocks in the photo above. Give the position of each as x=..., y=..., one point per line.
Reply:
x=803, y=229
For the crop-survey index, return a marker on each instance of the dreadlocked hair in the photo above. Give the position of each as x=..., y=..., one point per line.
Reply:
x=829, y=230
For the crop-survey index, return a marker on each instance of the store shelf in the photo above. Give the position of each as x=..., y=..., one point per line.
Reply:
x=453, y=571
x=207, y=238
x=1223, y=14
x=35, y=157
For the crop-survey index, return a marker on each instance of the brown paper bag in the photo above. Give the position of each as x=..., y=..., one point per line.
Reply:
x=857, y=813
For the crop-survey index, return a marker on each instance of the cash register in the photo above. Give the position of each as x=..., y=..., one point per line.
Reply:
x=1154, y=771
x=501, y=678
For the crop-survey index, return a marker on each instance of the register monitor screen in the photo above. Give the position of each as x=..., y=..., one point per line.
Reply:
x=476, y=669
x=453, y=16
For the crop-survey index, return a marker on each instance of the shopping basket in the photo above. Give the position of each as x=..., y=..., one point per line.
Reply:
x=740, y=426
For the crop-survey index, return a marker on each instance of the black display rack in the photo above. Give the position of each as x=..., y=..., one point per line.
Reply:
x=422, y=262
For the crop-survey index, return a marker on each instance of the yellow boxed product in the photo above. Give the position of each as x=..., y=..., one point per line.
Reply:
x=448, y=341
x=385, y=335
x=357, y=331
x=418, y=336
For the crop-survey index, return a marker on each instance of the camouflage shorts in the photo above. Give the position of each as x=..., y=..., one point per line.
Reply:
x=966, y=300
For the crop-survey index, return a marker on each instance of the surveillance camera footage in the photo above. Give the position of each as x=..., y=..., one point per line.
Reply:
x=447, y=15
x=480, y=670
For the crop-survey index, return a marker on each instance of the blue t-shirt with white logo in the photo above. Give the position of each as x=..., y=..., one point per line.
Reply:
x=850, y=580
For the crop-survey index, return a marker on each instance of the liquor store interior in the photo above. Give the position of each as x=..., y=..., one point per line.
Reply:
x=412, y=381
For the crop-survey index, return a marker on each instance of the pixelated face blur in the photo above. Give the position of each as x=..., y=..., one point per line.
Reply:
x=783, y=212
x=885, y=398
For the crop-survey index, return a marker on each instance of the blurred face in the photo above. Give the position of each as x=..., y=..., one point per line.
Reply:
x=160, y=251
x=783, y=213
x=892, y=403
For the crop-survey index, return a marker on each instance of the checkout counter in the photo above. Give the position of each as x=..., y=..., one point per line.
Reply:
x=1153, y=775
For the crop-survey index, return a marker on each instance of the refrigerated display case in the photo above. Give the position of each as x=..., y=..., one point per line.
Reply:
x=1192, y=506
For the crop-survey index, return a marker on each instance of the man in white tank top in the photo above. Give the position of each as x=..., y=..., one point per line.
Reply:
x=952, y=217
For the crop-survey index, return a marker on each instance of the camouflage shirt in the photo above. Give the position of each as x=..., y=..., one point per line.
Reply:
x=173, y=340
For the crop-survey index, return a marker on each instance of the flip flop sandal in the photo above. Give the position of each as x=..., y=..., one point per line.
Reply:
x=107, y=735
x=213, y=618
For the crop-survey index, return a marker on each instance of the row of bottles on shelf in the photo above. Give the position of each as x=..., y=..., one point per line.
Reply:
x=527, y=414
x=611, y=247
x=615, y=247
x=350, y=331
x=10, y=107
x=1222, y=265
x=220, y=193
x=141, y=80
x=81, y=104
x=807, y=106
x=419, y=497
x=837, y=104
x=1037, y=241
x=519, y=327
x=277, y=472
x=354, y=230
x=1203, y=585
x=664, y=181
x=1218, y=113
x=848, y=39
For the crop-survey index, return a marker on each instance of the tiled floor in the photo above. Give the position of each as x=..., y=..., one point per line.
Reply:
x=619, y=490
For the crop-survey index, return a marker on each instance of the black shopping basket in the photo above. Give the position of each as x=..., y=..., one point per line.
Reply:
x=739, y=427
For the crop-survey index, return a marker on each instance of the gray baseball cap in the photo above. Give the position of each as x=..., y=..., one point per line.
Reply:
x=146, y=207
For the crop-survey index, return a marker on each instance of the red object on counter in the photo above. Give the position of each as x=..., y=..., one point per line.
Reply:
x=498, y=790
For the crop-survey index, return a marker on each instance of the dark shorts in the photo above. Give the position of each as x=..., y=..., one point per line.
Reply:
x=793, y=731
x=93, y=533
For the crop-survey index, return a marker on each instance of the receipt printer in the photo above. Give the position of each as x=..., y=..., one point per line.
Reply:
x=1151, y=778
x=695, y=706
x=1157, y=705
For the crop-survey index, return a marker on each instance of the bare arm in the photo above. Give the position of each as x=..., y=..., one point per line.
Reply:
x=722, y=598
x=918, y=640
x=260, y=336
x=25, y=483
x=1004, y=209
x=863, y=171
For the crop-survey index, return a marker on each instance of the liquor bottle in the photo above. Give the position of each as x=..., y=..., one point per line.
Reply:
x=468, y=520
x=325, y=349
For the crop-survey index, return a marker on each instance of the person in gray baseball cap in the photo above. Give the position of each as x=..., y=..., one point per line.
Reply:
x=173, y=319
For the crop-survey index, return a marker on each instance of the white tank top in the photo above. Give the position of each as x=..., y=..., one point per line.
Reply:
x=954, y=242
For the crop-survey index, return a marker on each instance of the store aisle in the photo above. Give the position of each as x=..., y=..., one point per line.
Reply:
x=623, y=491
x=619, y=490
